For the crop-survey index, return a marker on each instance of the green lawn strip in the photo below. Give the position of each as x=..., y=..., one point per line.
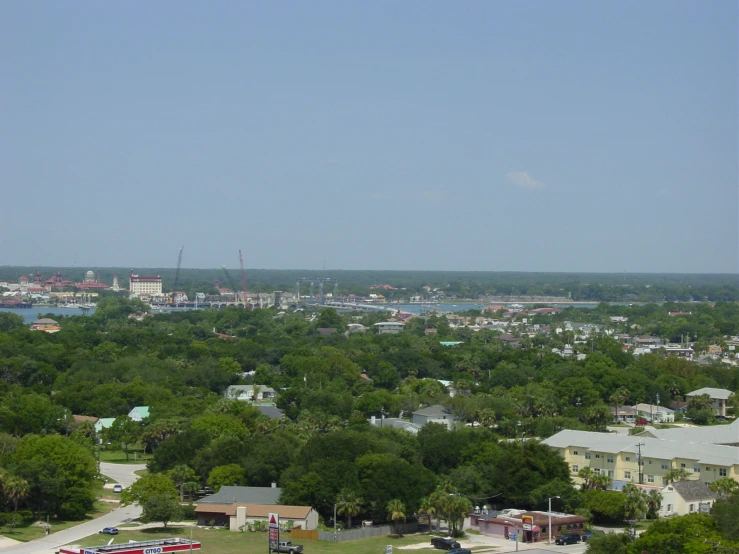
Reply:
x=141, y=472
x=119, y=456
x=227, y=542
x=31, y=532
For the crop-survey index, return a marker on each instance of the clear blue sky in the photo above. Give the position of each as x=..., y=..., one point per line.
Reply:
x=475, y=135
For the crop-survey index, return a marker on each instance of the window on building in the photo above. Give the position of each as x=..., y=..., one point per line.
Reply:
x=587, y=455
x=669, y=508
x=627, y=475
x=650, y=462
x=708, y=468
x=665, y=465
x=627, y=458
x=597, y=471
x=682, y=465
x=609, y=459
x=692, y=508
x=650, y=478
x=575, y=468
x=610, y=473
x=597, y=456
x=697, y=469
x=574, y=453
x=722, y=472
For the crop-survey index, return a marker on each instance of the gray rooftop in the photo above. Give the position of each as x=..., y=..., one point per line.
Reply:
x=433, y=411
x=720, y=394
x=692, y=490
x=711, y=434
x=270, y=411
x=244, y=495
x=655, y=448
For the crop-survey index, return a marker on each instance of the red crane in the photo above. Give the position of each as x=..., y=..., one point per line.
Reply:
x=243, y=277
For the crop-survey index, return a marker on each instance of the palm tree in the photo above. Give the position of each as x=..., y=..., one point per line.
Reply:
x=349, y=504
x=724, y=486
x=618, y=398
x=396, y=512
x=654, y=502
x=426, y=509
x=587, y=475
x=700, y=402
x=15, y=489
x=457, y=509
x=636, y=503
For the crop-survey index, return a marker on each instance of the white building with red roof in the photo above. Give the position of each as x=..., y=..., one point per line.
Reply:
x=145, y=285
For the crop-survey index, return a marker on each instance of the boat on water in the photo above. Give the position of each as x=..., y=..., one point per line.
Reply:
x=70, y=305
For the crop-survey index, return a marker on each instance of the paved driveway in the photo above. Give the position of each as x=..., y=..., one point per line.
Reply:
x=121, y=473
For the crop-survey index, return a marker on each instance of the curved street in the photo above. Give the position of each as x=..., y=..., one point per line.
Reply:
x=120, y=473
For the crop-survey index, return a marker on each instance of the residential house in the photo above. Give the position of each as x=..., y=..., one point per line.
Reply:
x=389, y=327
x=395, y=423
x=46, y=324
x=139, y=413
x=250, y=393
x=103, y=423
x=655, y=413
x=236, y=507
x=718, y=398
x=434, y=414
x=625, y=458
x=686, y=497
x=625, y=414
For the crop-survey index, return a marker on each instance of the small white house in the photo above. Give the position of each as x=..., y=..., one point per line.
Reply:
x=250, y=393
x=686, y=497
x=434, y=414
x=655, y=413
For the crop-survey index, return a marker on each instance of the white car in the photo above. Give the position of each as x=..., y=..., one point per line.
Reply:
x=117, y=488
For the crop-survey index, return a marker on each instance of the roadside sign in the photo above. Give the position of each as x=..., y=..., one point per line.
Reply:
x=274, y=530
x=528, y=523
x=389, y=549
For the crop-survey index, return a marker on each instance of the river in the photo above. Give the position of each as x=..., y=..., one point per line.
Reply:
x=30, y=315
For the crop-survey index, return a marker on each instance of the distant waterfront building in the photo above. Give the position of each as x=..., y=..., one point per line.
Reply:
x=91, y=282
x=116, y=287
x=145, y=285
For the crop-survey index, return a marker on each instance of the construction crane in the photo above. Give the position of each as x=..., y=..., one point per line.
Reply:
x=243, y=277
x=177, y=275
x=230, y=280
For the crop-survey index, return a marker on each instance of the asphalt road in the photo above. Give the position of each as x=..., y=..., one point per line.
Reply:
x=120, y=473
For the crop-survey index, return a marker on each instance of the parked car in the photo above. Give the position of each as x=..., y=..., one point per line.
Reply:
x=641, y=421
x=109, y=531
x=586, y=536
x=290, y=548
x=569, y=538
x=444, y=543
x=460, y=551
x=721, y=418
x=117, y=488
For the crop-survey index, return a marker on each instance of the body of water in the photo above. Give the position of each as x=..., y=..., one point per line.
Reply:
x=30, y=315
x=424, y=308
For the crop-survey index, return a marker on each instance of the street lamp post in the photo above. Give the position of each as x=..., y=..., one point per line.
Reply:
x=549, y=527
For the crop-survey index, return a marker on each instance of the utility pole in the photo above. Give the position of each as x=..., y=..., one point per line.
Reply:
x=639, y=462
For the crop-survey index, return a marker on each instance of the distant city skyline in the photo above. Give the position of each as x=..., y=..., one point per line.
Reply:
x=489, y=136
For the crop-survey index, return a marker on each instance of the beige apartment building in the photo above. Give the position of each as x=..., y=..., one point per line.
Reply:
x=623, y=458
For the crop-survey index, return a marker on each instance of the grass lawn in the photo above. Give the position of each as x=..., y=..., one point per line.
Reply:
x=29, y=533
x=222, y=541
x=135, y=456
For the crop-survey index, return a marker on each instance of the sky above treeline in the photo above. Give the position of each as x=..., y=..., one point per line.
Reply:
x=500, y=136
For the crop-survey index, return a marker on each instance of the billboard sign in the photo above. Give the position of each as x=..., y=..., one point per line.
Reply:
x=274, y=531
x=528, y=523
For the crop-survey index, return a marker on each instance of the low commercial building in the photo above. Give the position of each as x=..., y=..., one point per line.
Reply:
x=250, y=393
x=46, y=324
x=526, y=526
x=236, y=507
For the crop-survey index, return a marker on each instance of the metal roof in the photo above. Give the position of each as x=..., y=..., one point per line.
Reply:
x=655, y=448
x=711, y=434
x=692, y=490
x=244, y=495
x=720, y=394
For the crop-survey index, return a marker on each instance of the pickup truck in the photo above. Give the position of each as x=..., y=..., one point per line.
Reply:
x=287, y=546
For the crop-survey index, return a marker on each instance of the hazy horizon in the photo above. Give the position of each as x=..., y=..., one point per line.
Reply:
x=567, y=137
